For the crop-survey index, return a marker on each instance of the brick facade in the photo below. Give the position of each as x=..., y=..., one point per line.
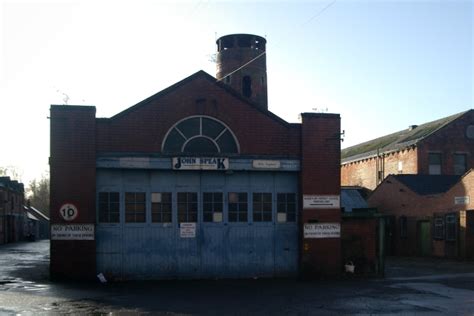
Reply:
x=78, y=139
x=365, y=173
x=395, y=200
x=12, y=216
x=320, y=147
x=359, y=243
x=72, y=180
x=449, y=139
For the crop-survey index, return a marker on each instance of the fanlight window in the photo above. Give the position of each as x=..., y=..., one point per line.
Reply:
x=200, y=135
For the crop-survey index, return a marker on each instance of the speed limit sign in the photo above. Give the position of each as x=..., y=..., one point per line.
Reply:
x=68, y=211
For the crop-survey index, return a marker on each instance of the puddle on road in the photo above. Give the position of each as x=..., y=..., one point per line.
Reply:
x=20, y=284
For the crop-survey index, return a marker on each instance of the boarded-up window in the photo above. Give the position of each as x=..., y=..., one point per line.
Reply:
x=438, y=231
x=403, y=227
x=451, y=227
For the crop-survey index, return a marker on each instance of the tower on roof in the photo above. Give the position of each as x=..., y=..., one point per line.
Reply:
x=242, y=64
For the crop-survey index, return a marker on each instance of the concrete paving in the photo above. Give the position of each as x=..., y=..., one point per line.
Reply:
x=412, y=286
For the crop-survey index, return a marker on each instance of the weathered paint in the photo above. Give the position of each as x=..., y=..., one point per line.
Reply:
x=220, y=250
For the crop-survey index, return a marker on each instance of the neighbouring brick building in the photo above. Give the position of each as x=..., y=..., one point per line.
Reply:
x=428, y=214
x=12, y=216
x=200, y=180
x=443, y=147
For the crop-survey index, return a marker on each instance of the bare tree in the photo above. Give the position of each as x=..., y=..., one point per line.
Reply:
x=10, y=171
x=38, y=194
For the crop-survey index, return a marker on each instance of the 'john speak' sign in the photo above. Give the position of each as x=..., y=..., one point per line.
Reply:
x=200, y=163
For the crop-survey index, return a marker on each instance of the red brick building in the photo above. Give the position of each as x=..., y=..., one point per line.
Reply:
x=200, y=180
x=12, y=216
x=443, y=147
x=428, y=214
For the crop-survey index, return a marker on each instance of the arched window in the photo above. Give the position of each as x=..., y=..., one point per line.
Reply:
x=200, y=135
x=247, y=86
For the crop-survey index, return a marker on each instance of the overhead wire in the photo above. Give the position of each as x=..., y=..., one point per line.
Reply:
x=315, y=16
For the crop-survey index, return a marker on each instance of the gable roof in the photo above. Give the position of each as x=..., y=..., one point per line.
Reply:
x=352, y=197
x=213, y=80
x=396, y=141
x=34, y=213
x=427, y=184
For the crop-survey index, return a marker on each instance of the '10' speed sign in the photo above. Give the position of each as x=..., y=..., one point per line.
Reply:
x=68, y=211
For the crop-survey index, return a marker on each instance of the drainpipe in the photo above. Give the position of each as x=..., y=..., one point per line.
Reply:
x=381, y=265
x=377, y=168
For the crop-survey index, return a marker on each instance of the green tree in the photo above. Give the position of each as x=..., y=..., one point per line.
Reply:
x=38, y=194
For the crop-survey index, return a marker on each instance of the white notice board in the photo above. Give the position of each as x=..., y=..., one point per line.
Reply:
x=72, y=232
x=187, y=230
x=322, y=230
x=321, y=201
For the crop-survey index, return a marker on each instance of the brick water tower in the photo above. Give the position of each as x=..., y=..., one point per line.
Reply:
x=242, y=64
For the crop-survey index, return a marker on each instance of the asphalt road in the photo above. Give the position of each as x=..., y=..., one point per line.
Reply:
x=411, y=287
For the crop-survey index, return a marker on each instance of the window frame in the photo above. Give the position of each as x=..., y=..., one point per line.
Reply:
x=431, y=165
x=242, y=200
x=262, y=206
x=282, y=207
x=456, y=165
x=216, y=207
x=161, y=212
x=185, y=138
x=190, y=205
x=108, y=203
x=134, y=202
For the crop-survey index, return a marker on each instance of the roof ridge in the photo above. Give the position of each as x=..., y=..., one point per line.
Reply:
x=397, y=140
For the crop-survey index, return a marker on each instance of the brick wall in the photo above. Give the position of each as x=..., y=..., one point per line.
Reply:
x=77, y=137
x=449, y=140
x=394, y=199
x=72, y=165
x=364, y=172
x=320, y=175
x=359, y=243
x=257, y=132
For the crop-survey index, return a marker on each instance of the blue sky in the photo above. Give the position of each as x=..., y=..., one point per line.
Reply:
x=383, y=65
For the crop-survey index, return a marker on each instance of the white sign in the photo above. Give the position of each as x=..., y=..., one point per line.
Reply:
x=68, y=211
x=134, y=162
x=187, y=230
x=266, y=164
x=72, y=232
x=461, y=200
x=200, y=163
x=322, y=230
x=321, y=201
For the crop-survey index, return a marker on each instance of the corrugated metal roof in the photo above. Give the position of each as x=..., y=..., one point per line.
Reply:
x=31, y=216
x=38, y=213
x=396, y=141
x=351, y=198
